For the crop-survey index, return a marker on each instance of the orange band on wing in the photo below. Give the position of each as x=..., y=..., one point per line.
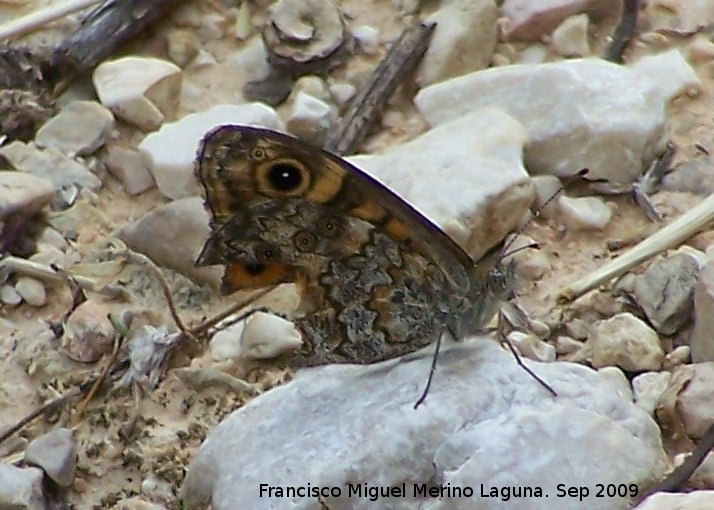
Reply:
x=239, y=276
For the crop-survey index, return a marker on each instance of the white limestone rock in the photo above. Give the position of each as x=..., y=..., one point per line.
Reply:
x=584, y=213
x=701, y=49
x=140, y=90
x=573, y=118
x=170, y=152
x=342, y=93
x=49, y=164
x=251, y=60
x=570, y=39
x=648, y=388
x=665, y=291
x=267, y=336
x=88, y=332
x=694, y=401
x=172, y=235
x=623, y=341
x=310, y=118
x=467, y=176
x=679, y=16
x=129, y=167
x=532, y=347
x=80, y=128
x=32, y=290
x=311, y=85
x=530, y=20
x=341, y=424
x=9, y=295
x=702, y=341
x=56, y=454
x=183, y=45
x=463, y=41
x=367, y=38
x=20, y=191
x=21, y=488
x=547, y=189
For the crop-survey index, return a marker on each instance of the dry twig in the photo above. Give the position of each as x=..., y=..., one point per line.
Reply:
x=624, y=31
x=37, y=19
x=402, y=58
x=678, y=231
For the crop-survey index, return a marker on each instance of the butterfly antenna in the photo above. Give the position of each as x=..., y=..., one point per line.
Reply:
x=424, y=393
x=504, y=252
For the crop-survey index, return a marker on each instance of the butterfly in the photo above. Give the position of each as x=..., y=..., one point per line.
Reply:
x=377, y=279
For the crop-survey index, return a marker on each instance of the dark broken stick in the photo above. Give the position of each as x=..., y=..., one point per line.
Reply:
x=624, y=31
x=359, y=118
x=102, y=33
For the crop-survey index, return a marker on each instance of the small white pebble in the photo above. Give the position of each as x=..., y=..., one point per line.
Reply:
x=32, y=290
x=10, y=296
x=368, y=39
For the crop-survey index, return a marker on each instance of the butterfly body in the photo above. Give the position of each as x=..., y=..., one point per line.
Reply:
x=378, y=279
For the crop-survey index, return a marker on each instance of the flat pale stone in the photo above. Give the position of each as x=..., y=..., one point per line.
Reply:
x=467, y=176
x=10, y=296
x=463, y=41
x=262, y=335
x=140, y=90
x=172, y=235
x=648, y=388
x=342, y=93
x=251, y=60
x=570, y=39
x=584, y=213
x=56, y=454
x=32, y=290
x=694, y=401
x=341, y=424
x=129, y=167
x=665, y=291
x=21, y=488
x=623, y=341
x=88, y=332
x=50, y=164
x=573, y=119
x=547, y=189
x=21, y=191
x=267, y=336
x=679, y=16
x=367, y=38
x=310, y=118
x=80, y=128
x=183, y=45
x=529, y=20
x=532, y=347
x=170, y=152
x=702, y=341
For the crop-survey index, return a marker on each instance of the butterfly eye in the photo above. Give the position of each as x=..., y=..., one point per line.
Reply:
x=282, y=177
x=328, y=226
x=305, y=241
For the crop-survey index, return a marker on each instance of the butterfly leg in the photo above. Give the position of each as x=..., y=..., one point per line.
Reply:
x=504, y=340
x=422, y=398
